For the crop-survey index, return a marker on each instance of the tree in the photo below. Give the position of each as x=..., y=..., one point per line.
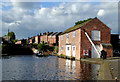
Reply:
x=41, y=46
x=12, y=35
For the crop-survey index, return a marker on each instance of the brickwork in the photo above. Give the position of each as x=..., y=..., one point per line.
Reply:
x=95, y=24
x=81, y=41
x=71, y=40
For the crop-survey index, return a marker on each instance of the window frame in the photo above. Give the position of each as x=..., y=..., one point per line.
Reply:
x=67, y=36
x=61, y=37
x=94, y=38
x=74, y=33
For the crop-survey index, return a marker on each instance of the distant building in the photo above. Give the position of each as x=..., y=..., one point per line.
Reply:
x=115, y=41
x=48, y=38
x=44, y=37
x=5, y=39
x=31, y=40
x=53, y=39
x=37, y=39
x=74, y=42
x=23, y=41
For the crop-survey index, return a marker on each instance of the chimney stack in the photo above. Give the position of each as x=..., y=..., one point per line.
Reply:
x=40, y=34
x=44, y=33
x=47, y=32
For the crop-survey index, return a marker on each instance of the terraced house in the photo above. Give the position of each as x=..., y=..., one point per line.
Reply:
x=53, y=39
x=87, y=38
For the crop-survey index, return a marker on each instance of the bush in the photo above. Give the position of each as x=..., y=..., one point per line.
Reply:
x=51, y=48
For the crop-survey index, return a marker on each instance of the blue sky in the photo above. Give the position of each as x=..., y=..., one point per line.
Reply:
x=28, y=19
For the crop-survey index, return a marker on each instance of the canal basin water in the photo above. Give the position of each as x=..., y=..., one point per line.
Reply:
x=30, y=67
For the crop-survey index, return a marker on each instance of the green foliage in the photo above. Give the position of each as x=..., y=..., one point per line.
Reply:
x=41, y=46
x=5, y=35
x=34, y=44
x=80, y=22
x=63, y=55
x=12, y=35
x=57, y=50
x=51, y=48
x=15, y=40
x=44, y=47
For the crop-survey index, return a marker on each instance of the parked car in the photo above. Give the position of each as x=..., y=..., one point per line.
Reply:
x=116, y=53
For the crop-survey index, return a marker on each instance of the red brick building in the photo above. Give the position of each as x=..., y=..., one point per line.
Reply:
x=53, y=38
x=22, y=41
x=74, y=42
x=37, y=39
x=31, y=40
x=44, y=37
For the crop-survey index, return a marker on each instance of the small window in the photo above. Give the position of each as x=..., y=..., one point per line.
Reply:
x=74, y=33
x=67, y=35
x=95, y=35
x=62, y=37
x=68, y=48
x=62, y=48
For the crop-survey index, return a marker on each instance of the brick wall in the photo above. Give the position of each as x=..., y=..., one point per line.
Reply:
x=71, y=40
x=44, y=38
x=81, y=41
x=95, y=24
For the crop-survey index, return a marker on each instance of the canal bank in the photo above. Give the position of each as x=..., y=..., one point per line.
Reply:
x=109, y=68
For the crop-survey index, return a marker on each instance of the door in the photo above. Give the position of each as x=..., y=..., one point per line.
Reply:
x=94, y=52
x=73, y=50
x=68, y=50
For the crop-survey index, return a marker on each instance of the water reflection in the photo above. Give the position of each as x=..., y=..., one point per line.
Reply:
x=47, y=68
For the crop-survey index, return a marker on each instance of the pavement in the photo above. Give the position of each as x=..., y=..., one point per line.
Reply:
x=109, y=68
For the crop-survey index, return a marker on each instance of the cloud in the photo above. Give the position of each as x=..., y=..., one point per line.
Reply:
x=29, y=19
x=101, y=12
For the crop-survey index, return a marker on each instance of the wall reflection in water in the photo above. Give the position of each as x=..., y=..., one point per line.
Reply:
x=78, y=70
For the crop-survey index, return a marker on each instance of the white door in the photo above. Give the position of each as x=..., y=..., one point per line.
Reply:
x=68, y=50
x=73, y=50
x=94, y=52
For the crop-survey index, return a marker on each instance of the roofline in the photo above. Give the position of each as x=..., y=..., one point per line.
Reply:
x=84, y=25
x=77, y=28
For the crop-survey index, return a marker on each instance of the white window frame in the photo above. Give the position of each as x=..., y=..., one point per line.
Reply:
x=74, y=33
x=94, y=38
x=67, y=36
x=61, y=37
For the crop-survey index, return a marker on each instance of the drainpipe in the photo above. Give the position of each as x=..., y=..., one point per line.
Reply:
x=91, y=41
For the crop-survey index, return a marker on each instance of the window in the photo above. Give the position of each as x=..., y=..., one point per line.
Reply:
x=62, y=48
x=62, y=37
x=67, y=35
x=95, y=35
x=74, y=33
x=68, y=48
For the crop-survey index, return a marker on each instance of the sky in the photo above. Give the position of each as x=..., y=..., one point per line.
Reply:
x=28, y=19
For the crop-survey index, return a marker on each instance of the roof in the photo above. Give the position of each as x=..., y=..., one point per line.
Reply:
x=76, y=27
x=106, y=45
x=54, y=33
x=49, y=33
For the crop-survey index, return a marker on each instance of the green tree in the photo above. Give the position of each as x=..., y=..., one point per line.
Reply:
x=12, y=35
x=41, y=46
